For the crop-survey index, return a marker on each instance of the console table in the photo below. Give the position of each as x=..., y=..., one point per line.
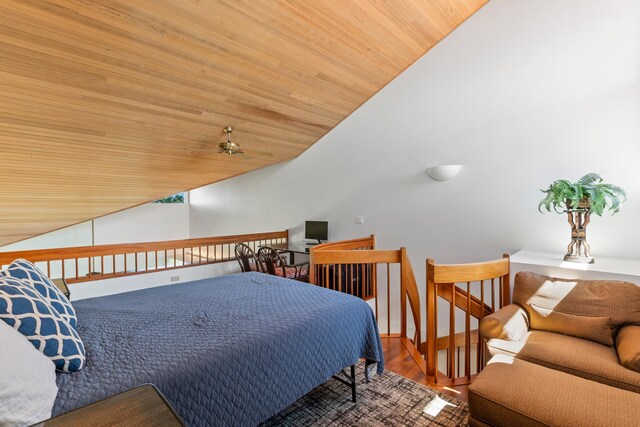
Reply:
x=552, y=264
x=62, y=285
x=293, y=248
x=141, y=406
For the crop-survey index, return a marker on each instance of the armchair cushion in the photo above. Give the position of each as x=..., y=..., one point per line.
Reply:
x=513, y=392
x=628, y=347
x=592, y=328
x=509, y=323
x=575, y=356
x=572, y=307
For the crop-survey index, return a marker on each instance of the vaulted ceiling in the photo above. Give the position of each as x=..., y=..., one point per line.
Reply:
x=105, y=104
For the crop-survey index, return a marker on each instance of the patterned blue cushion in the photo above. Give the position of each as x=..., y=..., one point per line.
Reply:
x=24, y=309
x=26, y=271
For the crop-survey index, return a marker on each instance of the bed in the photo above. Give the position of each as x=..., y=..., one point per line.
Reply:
x=230, y=350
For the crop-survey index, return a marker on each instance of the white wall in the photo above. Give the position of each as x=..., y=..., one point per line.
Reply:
x=523, y=93
x=146, y=223
x=75, y=235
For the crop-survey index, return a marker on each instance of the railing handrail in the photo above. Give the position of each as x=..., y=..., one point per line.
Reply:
x=117, y=260
x=471, y=272
x=364, y=256
x=39, y=255
x=369, y=241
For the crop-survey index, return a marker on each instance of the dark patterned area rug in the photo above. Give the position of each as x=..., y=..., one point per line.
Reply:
x=388, y=400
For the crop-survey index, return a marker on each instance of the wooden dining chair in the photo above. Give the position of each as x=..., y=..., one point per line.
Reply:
x=271, y=262
x=246, y=258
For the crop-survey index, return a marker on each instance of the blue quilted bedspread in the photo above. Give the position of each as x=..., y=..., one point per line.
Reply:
x=232, y=350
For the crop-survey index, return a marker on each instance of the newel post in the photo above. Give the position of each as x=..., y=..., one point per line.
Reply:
x=403, y=292
x=312, y=267
x=506, y=283
x=430, y=354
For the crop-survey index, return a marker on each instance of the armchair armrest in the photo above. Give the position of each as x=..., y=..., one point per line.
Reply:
x=628, y=347
x=509, y=323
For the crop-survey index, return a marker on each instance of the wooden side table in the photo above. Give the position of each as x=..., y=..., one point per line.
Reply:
x=141, y=406
x=62, y=285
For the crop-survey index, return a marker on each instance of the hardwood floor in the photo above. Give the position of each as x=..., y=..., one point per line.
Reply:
x=397, y=359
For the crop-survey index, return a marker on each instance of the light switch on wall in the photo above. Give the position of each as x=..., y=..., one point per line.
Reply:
x=359, y=220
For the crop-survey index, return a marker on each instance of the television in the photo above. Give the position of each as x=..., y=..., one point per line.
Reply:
x=316, y=230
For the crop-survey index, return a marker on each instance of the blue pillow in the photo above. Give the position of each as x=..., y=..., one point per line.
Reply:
x=25, y=310
x=26, y=271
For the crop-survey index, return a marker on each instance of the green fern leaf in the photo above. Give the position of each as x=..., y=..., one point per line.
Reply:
x=590, y=178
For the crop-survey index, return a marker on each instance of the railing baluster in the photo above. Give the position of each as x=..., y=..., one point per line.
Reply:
x=452, y=329
x=435, y=329
x=493, y=295
x=388, y=299
x=480, y=340
x=374, y=286
x=449, y=367
x=376, y=292
x=326, y=275
x=365, y=277
x=467, y=335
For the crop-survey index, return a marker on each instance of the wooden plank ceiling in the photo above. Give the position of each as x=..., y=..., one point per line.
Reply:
x=105, y=105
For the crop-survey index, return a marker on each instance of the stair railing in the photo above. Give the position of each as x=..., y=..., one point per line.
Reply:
x=357, y=267
x=470, y=292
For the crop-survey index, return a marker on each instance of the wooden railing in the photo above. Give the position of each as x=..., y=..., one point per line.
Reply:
x=357, y=267
x=472, y=292
x=357, y=279
x=86, y=263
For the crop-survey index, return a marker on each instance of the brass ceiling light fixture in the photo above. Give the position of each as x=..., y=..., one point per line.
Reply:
x=229, y=147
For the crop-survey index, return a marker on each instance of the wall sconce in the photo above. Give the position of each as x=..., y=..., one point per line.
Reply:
x=444, y=172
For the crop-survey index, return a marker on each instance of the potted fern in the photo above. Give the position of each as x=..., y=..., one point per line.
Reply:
x=579, y=199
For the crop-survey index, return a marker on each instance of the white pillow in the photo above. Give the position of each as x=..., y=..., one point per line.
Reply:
x=27, y=380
